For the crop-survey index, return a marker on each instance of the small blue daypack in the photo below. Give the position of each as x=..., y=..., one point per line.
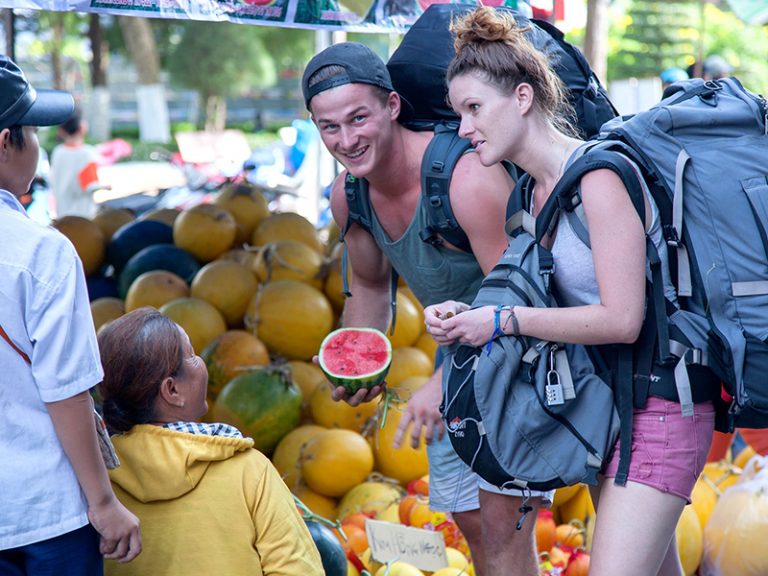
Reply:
x=522, y=412
x=702, y=154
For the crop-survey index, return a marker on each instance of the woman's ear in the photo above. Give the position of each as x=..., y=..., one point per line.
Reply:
x=170, y=393
x=524, y=95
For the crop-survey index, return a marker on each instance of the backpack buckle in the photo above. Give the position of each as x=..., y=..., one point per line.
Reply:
x=429, y=236
x=671, y=236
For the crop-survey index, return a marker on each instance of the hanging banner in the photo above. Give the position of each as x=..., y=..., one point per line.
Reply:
x=383, y=16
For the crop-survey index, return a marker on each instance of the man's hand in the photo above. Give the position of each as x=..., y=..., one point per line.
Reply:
x=423, y=410
x=119, y=530
x=363, y=395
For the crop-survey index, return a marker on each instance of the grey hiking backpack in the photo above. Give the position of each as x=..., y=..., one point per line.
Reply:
x=521, y=412
x=702, y=154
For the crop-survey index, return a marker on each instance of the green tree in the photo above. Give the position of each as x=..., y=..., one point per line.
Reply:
x=220, y=59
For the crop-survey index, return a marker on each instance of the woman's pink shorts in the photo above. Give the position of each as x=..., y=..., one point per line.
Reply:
x=668, y=450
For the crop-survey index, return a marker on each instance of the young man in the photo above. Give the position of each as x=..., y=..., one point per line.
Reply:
x=74, y=173
x=58, y=511
x=349, y=93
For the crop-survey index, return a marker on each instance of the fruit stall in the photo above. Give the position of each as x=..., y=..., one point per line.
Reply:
x=258, y=293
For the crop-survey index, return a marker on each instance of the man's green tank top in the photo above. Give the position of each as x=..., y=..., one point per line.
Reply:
x=433, y=273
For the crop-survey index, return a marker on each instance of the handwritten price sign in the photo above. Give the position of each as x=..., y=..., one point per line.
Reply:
x=422, y=548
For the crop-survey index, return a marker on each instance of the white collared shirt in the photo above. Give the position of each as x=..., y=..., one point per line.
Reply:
x=44, y=309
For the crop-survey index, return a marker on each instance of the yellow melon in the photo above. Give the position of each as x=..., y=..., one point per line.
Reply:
x=736, y=533
x=287, y=226
x=245, y=256
x=154, y=289
x=744, y=456
x=290, y=317
x=409, y=322
x=690, y=540
x=404, y=463
x=307, y=377
x=87, y=238
x=105, y=310
x=246, y=204
x=334, y=287
x=228, y=286
x=289, y=260
x=229, y=355
x=200, y=320
x=166, y=215
x=110, y=219
x=331, y=414
x=399, y=569
x=408, y=387
x=406, y=363
x=713, y=481
x=321, y=505
x=206, y=231
x=427, y=344
x=335, y=461
x=370, y=498
x=286, y=455
x=578, y=507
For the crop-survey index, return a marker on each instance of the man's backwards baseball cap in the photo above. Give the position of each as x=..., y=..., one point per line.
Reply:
x=361, y=66
x=22, y=105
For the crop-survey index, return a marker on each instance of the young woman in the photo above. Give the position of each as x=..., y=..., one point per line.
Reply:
x=512, y=107
x=209, y=502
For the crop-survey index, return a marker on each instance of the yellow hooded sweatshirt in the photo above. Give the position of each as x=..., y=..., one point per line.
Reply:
x=208, y=506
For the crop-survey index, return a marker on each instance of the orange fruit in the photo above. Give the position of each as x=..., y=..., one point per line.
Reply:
x=155, y=288
x=356, y=538
x=406, y=505
x=228, y=286
x=206, y=231
x=420, y=514
x=356, y=518
x=546, y=534
x=571, y=534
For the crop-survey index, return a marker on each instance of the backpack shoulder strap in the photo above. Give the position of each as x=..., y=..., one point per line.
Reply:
x=359, y=212
x=440, y=158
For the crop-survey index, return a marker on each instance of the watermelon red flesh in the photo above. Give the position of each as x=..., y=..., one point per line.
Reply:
x=355, y=357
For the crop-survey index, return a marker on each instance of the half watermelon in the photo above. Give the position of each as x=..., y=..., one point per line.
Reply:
x=355, y=358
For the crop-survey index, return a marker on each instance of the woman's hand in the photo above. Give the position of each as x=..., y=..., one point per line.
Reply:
x=434, y=316
x=473, y=327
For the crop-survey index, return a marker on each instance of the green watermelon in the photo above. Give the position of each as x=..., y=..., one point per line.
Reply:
x=331, y=552
x=134, y=236
x=157, y=257
x=355, y=358
x=262, y=403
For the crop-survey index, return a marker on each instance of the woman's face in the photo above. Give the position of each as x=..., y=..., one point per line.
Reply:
x=192, y=380
x=489, y=118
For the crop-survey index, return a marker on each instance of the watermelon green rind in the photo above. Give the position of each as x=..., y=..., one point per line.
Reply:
x=368, y=379
x=263, y=403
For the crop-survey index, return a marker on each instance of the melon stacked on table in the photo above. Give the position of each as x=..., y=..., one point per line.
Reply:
x=258, y=292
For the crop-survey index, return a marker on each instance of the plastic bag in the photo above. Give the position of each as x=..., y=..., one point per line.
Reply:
x=737, y=531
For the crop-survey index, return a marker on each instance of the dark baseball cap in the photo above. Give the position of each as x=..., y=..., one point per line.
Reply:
x=361, y=64
x=22, y=105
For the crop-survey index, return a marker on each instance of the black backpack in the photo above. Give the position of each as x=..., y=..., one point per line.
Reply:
x=418, y=68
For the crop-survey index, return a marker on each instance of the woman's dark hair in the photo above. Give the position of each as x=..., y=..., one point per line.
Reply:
x=491, y=44
x=138, y=351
